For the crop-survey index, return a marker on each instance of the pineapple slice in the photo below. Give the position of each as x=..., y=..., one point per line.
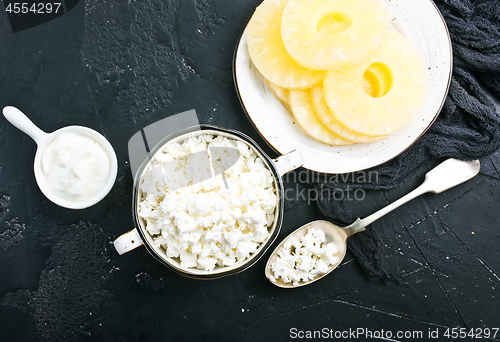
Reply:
x=268, y=53
x=383, y=93
x=303, y=111
x=326, y=117
x=329, y=34
x=281, y=93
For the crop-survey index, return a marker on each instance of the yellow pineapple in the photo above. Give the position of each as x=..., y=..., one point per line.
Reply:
x=281, y=93
x=326, y=117
x=303, y=112
x=268, y=52
x=329, y=34
x=383, y=93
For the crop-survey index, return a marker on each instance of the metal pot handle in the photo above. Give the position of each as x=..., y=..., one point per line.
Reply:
x=288, y=162
x=127, y=242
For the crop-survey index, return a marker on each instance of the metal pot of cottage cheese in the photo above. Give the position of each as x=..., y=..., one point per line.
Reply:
x=207, y=202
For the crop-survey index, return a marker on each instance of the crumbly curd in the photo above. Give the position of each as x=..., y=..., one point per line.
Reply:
x=304, y=259
x=201, y=222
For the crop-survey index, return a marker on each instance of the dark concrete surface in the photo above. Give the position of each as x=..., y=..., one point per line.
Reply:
x=117, y=66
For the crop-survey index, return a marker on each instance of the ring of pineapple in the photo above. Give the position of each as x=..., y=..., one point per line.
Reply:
x=394, y=104
x=281, y=93
x=329, y=34
x=303, y=112
x=268, y=53
x=326, y=117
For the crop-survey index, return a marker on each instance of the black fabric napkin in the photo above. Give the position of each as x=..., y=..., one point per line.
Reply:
x=468, y=126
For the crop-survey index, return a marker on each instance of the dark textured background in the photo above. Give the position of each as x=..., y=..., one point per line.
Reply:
x=117, y=66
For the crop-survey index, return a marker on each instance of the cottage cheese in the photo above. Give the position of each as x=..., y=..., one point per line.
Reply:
x=197, y=219
x=304, y=259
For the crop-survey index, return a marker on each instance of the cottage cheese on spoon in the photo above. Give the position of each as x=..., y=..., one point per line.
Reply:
x=304, y=259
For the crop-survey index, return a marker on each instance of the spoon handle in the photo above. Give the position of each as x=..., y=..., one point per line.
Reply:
x=446, y=175
x=21, y=121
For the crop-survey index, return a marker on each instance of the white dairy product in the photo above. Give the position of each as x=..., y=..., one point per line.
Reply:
x=203, y=224
x=304, y=259
x=75, y=166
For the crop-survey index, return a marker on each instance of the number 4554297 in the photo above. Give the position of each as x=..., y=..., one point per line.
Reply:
x=460, y=333
x=38, y=8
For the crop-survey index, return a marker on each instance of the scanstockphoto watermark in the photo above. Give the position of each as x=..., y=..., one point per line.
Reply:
x=309, y=195
x=328, y=186
x=356, y=334
x=435, y=333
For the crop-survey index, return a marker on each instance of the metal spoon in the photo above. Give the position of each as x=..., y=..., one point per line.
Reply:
x=446, y=175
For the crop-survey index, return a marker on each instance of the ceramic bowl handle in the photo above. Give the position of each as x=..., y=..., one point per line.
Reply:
x=21, y=121
x=127, y=242
x=288, y=162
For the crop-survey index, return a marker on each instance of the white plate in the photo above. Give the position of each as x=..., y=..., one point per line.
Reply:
x=419, y=21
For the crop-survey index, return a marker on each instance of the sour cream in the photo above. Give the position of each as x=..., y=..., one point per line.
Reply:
x=75, y=166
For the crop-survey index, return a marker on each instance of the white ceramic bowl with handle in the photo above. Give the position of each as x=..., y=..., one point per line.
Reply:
x=43, y=140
